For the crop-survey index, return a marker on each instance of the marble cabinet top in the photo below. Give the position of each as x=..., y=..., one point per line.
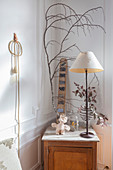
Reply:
x=50, y=134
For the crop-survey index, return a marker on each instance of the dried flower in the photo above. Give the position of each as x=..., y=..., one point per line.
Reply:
x=81, y=92
x=92, y=94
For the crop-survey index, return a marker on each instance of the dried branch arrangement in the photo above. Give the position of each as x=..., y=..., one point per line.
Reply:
x=80, y=91
x=64, y=22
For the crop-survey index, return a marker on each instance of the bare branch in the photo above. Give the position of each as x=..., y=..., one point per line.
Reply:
x=60, y=28
x=72, y=105
x=68, y=48
x=68, y=98
x=55, y=71
x=60, y=16
x=52, y=41
x=94, y=77
x=90, y=25
x=73, y=21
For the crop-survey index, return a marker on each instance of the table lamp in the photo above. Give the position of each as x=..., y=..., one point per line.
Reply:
x=86, y=62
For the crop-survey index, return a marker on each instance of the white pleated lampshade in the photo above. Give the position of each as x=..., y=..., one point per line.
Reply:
x=86, y=61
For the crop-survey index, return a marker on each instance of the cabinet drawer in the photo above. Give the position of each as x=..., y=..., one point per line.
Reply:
x=68, y=158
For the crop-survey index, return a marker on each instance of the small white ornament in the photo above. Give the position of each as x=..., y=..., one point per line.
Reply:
x=61, y=127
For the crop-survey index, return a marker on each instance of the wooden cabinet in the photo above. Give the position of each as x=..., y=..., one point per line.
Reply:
x=70, y=155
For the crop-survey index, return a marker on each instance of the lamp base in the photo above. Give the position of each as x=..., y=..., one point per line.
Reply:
x=87, y=135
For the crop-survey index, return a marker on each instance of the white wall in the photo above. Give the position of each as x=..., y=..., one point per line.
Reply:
x=19, y=17
x=26, y=19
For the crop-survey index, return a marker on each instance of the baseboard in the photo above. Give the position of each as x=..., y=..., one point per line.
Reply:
x=36, y=166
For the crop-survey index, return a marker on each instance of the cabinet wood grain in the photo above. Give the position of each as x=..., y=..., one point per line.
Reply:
x=70, y=155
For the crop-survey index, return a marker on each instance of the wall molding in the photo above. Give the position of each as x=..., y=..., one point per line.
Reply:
x=34, y=115
x=100, y=150
x=9, y=125
x=38, y=120
x=31, y=151
x=31, y=128
x=36, y=131
x=35, y=166
x=38, y=164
